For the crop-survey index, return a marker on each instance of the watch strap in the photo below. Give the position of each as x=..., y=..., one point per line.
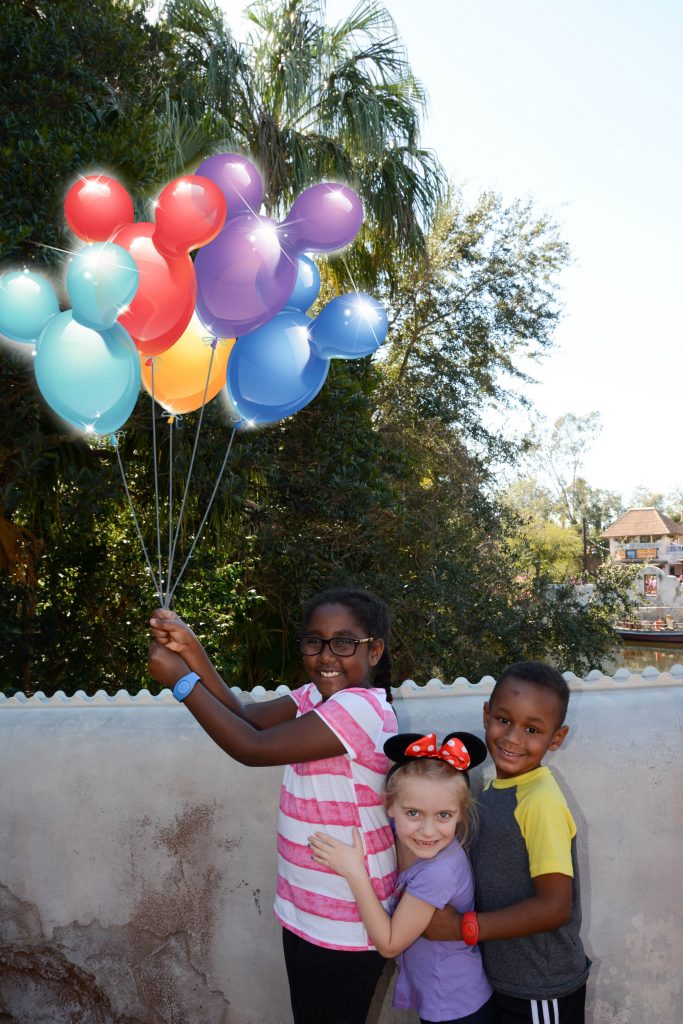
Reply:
x=183, y=688
x=469, y=928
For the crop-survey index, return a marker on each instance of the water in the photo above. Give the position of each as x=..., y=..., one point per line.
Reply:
x=635, y=658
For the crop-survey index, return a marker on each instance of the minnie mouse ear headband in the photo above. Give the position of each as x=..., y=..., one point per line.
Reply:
x=461, y=750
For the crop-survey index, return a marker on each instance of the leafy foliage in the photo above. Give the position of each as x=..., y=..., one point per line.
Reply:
x=80, y=91
x=487, y=293
x=310, y=102
x=385, y=480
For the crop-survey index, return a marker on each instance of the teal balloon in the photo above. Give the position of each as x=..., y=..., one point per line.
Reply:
x=272, y=372
x=88, y=377
x=350, y=326
x=307, y=285
x=101, y=280
x=27, y=302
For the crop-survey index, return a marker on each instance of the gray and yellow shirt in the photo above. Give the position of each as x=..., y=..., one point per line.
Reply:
x=525, y=830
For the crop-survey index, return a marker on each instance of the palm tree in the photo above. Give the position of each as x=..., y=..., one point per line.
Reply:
x=310, y=102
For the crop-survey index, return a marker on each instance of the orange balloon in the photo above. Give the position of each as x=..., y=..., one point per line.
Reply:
x=180, y=373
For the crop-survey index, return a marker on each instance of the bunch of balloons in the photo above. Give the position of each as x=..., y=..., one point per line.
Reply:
x=143, y=313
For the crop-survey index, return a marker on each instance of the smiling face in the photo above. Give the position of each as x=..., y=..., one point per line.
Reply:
x=330, y=672
x=426, y=812
x=521, y=723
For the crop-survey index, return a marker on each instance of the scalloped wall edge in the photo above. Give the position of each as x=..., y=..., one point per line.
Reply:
x=408, y=690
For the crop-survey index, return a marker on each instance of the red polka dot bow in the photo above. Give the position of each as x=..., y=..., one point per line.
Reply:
x=454, y=751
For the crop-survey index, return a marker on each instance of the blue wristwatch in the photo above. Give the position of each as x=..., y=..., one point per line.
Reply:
x=183, y=688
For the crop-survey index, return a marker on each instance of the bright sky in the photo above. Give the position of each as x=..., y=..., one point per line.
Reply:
x=578, y=106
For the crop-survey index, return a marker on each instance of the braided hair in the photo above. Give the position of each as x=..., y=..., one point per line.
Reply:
x=371, y=613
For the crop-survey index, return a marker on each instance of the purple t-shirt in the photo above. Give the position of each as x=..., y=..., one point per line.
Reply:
x=441, y=980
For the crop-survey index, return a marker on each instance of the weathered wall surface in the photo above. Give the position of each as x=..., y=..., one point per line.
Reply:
x=137, y=861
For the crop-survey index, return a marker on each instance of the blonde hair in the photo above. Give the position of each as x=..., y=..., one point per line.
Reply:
x=441, y=771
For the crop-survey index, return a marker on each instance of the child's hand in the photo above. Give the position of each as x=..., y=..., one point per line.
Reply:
x=165, y=666
x=169, y=630
x=339, y=857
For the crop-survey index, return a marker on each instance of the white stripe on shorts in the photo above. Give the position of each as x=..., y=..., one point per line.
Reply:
x=540, y=1011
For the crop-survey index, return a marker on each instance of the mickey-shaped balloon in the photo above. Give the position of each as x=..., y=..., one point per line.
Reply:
x=281, y=366
x=246, y=275
x=86, y=365
x=190, y=212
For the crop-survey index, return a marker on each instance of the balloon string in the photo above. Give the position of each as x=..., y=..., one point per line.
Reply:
x=171, y=557
x=157, y=586
x=156, y=484
x=208, y=509
x=170, y=502
x=353, y=283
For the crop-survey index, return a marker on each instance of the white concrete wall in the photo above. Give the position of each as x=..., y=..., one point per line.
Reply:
x=137, y=861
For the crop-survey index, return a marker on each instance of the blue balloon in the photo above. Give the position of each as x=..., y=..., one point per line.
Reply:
x=306, y=287
x=27, y=302
x=350, y=326
x=272, y=372
x=90, y=378
x=101, y=279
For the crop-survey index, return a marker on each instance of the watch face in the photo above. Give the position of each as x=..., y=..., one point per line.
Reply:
x=183, y=687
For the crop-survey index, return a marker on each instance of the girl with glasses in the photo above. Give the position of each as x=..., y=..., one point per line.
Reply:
x=330, y=734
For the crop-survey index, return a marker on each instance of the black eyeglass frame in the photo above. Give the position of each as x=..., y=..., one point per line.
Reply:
x=321, y=641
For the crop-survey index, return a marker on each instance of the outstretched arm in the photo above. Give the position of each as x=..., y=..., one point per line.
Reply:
x=267, y=733
x=548, y=909
x=177, y=650
x=391, y=935
x=306, y=738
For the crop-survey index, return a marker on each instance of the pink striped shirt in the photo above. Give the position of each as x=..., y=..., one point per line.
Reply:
x=335, y=795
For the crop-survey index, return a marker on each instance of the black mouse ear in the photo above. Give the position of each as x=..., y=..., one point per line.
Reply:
x=395, y=746
x=476, y=748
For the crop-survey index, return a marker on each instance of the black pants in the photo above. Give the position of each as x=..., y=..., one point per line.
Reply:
x=329, y=986
x=565, y=1010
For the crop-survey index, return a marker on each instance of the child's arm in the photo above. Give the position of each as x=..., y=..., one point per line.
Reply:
x=176, y=650
x=268, y=733
x=548, y=909
x=390, y=935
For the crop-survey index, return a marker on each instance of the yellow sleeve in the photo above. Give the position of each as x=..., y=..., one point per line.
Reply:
x=548, y=829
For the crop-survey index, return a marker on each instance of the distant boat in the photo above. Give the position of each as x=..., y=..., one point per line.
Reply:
x=664, y=630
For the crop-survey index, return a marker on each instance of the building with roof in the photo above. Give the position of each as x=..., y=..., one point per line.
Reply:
x=645, y=535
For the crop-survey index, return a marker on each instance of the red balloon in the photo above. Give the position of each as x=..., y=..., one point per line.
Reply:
x=96, y=206
x=163, y=305
x=190, y=212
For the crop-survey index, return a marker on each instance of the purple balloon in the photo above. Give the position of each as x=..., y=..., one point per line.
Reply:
x=244, y=277
x=238, y=180
x=323, y=218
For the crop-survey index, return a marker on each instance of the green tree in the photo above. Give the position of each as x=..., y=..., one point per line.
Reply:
x=80, y=90
x=561, y=454
x=558, y=549
x=309, y=102
x=385, y=480
x=486, y=295
x=671, y=504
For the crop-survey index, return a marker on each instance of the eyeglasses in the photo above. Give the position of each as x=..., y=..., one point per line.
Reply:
x=342, y=646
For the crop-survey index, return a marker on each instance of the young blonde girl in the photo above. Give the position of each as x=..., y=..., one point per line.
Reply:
x=427, y=795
